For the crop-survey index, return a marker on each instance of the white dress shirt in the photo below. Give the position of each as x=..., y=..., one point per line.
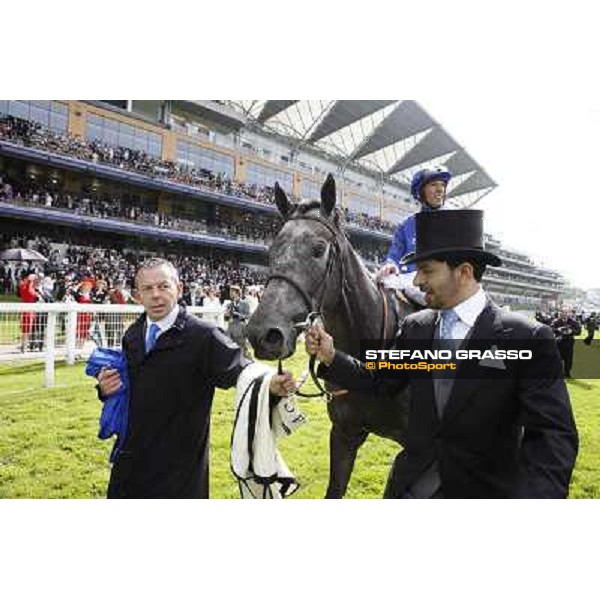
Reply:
x=467, y=311
x=164, y=324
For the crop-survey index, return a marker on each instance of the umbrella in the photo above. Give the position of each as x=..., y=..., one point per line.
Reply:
x=22, y=255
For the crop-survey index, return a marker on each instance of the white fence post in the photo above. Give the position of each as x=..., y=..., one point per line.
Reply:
x=71, y=334
x=50, y=349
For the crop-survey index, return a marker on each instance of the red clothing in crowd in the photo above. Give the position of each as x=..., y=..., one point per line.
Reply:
x=27, y=293
x=83, y=319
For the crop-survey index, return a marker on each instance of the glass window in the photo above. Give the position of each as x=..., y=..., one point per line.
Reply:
x=93, y=119
x=108, y=137
x=139, y=143
x=19, y=109
x=58, y=123
x=155, y=148
x=203, y=158
x=38, y=111
x=94, y=132
x=127, y=129
x=60, y=108
x=263, y=176
x=361, y=205
x=43, y=104
x=310, y=190
x=111, y=124
x=115, y=133
x=39, y=115
x=126, y=140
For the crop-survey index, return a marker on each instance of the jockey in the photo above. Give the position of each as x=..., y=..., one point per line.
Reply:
x=428, y=186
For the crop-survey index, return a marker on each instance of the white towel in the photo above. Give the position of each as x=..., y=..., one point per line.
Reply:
x=258, y=466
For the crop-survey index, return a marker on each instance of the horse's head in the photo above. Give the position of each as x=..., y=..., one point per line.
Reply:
x=303, y=272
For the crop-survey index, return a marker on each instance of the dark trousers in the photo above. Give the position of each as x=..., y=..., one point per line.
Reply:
x=565, y=348
x=119, y=476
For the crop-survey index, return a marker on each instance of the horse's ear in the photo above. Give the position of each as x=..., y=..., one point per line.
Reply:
x=328, y=196
x=281, y=200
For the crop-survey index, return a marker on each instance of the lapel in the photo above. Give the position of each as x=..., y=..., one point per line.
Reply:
x=172, y=337
x=136, y=341
x=425, y=332
x=488, y=326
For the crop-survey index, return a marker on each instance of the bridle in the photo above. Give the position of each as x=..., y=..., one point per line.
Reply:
x=334, y=249
x=314, y=312
x=315, y=309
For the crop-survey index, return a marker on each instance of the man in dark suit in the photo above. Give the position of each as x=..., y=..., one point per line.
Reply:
x=238, y=313
x=493, y=430
x=591, y=325
x=565, y=328
x=175, y=361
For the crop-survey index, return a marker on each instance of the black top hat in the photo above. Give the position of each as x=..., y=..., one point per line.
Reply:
x=444, y=232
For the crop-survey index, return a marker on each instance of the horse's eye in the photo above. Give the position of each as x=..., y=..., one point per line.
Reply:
x=319, y=250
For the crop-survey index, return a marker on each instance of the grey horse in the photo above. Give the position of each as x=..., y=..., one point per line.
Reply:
x=313, y=267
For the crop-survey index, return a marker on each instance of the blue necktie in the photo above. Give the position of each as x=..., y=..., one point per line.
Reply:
x=449, y=319
x=152, y=335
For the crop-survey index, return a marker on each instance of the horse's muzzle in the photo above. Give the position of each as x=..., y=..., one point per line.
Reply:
x=271, y=345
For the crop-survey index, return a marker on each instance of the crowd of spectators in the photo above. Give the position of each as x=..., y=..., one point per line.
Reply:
x=33, y=134
x=582, y=317
x=247, y=227
x=258, y=229
x=372, y=252
x=112, y=268
x=368, y=222
x=112, y=264
x=70, y=264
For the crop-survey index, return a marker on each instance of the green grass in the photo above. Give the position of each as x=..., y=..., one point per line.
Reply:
x=10, y=298
x=49, y=446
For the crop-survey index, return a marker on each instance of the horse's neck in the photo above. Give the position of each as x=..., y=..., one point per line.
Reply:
x=358, y=313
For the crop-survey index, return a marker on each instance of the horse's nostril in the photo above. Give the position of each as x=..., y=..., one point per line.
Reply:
x=274, y=337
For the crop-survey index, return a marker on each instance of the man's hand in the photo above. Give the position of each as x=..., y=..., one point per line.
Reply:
x=320, y=344
x=282, y=385
x=386, y=270
x=109, y=381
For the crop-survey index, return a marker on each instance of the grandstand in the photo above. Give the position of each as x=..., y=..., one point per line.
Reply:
x=520, y=283
x=119, y=179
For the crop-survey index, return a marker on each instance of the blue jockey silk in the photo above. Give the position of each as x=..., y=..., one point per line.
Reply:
x=115, y=408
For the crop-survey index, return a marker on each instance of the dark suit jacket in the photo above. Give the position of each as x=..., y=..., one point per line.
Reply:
x=511, y=435
x=166, y=451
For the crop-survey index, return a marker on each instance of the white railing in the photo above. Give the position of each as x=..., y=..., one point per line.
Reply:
x=68, y=330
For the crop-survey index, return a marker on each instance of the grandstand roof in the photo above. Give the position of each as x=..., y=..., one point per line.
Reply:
x=393, y=138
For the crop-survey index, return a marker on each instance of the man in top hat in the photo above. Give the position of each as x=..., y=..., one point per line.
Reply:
x=491, y=428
